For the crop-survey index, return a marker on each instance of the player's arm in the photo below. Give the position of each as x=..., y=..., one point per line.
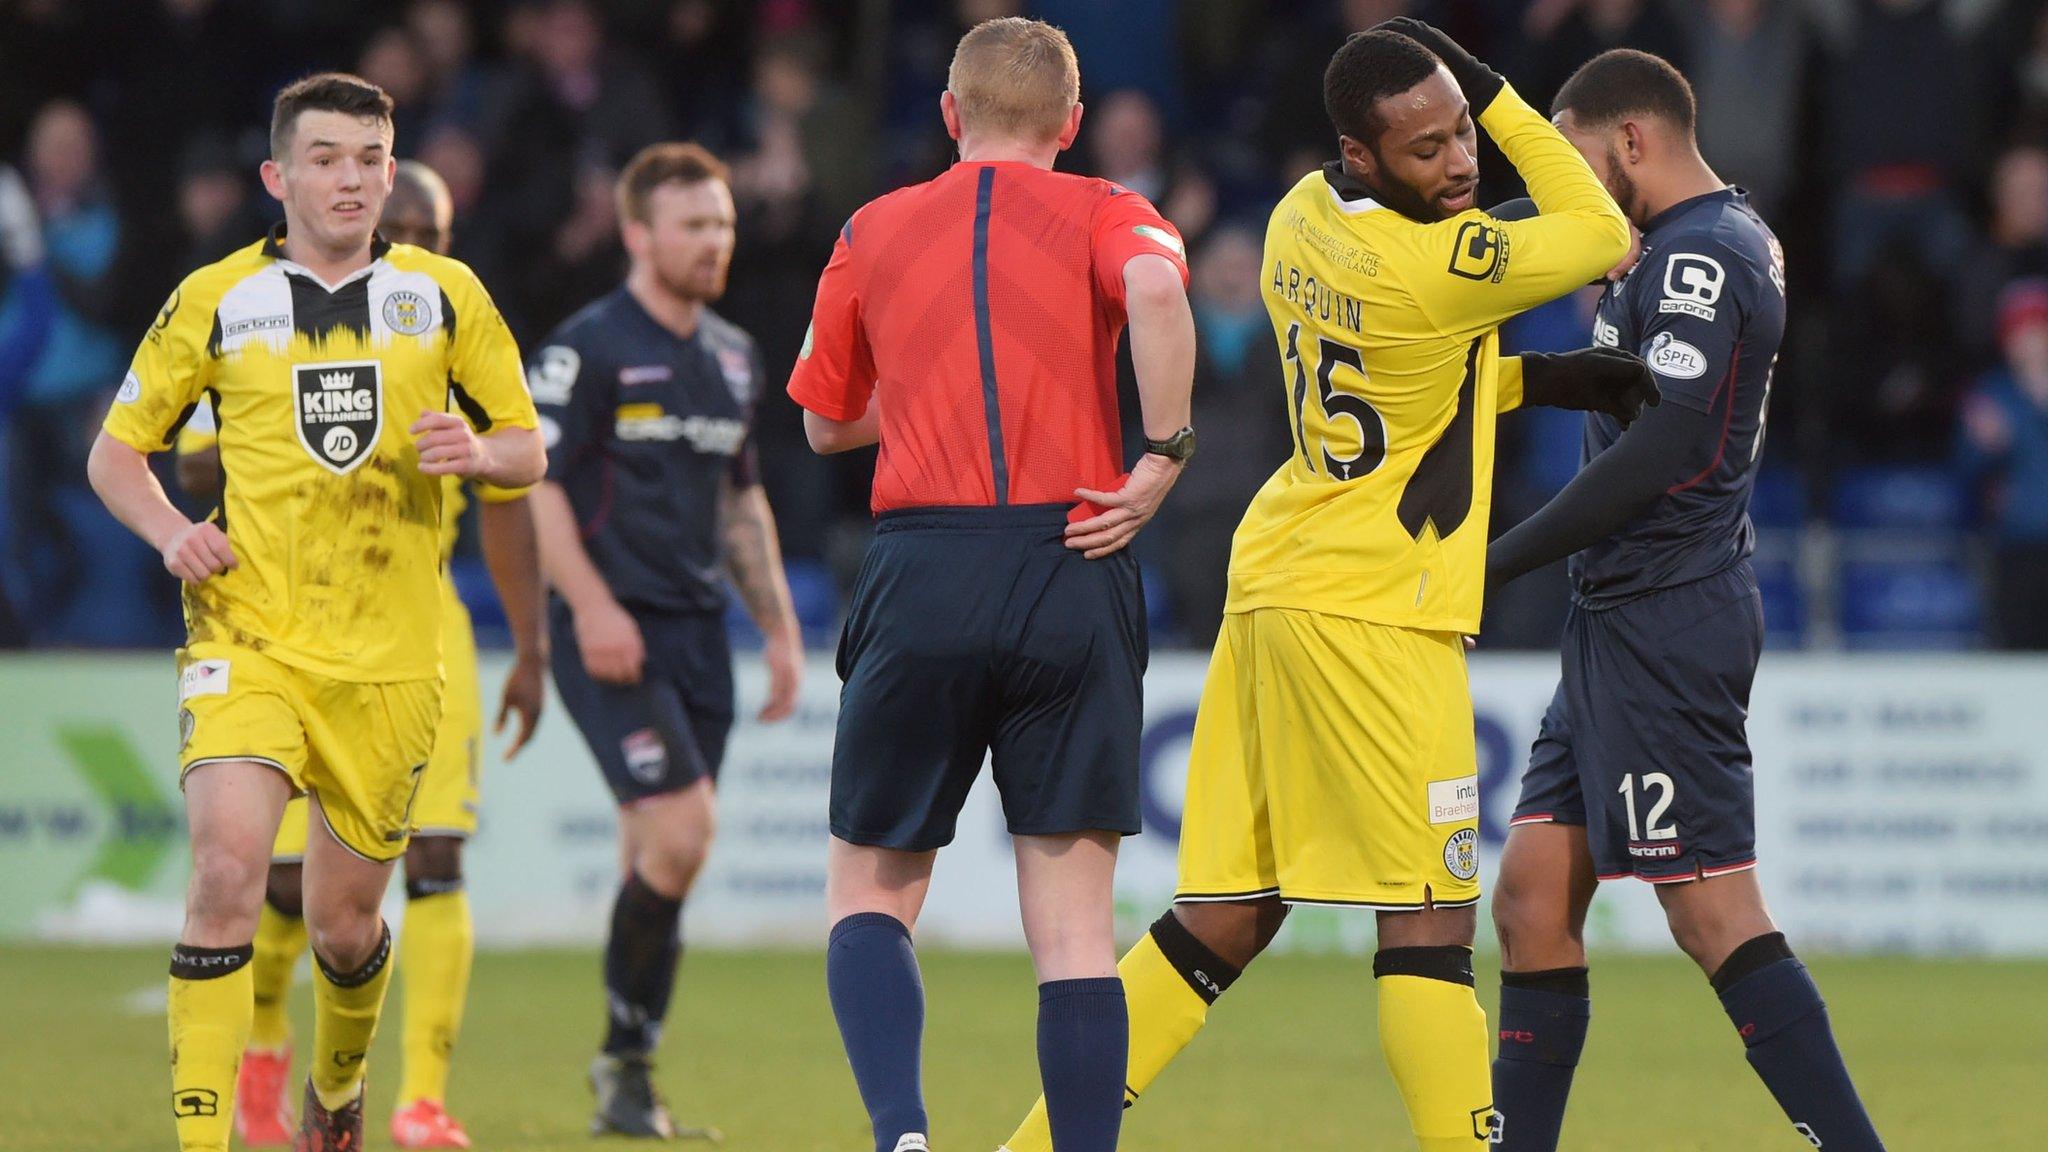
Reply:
x=834, y=377
x=511, y=547
x=1476, y=271
x=753, y=554
x=1673, y=445
x=1141, y=267
x=162, y=390
x=1605, y=380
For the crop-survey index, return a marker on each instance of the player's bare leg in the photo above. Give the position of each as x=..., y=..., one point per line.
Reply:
x=233, y=808
x=1192, y=954
x=872, y=898
x=1721, y=922
x=664, y=841
x=1546, y=884
x=1432, y=1030
x=436, y=945
x=263, y=1112
x=1065, y=889
x=351, y=961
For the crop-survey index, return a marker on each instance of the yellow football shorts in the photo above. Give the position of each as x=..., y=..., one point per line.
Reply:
x=448, y=793
x=1333, y=763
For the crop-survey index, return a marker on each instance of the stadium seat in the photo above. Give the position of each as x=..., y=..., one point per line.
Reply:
x=1785, y=611
x=1779, y=500
x=1899, y=498
x=1911, y=604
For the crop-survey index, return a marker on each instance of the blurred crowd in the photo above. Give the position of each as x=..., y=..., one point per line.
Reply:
x=1898, y=147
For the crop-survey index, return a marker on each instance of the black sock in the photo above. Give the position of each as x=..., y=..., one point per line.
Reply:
x=1784, y=1025
x=877, y=996
x=1084, y=1039
x=640, y=962
x=191, y=962
x=1543, y=1018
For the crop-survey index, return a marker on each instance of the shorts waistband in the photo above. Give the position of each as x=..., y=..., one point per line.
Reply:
x=973, y=518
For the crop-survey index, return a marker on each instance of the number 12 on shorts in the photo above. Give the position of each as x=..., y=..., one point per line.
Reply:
x=1657, y=829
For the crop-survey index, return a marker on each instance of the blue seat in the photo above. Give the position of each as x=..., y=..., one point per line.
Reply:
x=1900, y=498
x=1909, y=604
x=1784, y=595
x=1779, y=500
x=814, y=595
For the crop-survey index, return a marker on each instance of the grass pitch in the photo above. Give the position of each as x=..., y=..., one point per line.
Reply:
x=1949, y=1054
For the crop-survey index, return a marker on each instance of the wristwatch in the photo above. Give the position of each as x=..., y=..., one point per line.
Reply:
x=1179, y=447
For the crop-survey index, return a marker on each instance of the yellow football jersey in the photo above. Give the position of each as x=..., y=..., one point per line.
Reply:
x=1386, y=330
x=337, y=531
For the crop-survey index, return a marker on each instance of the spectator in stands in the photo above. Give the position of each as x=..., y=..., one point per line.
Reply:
x=216, y=210
x=1125, y=141
x=2004, y=442
x=1748, y=71
x=26, y=305
x=2015, y=246
x=460, y=91
x=393, y=61
x=1560, y=35
x=1892, y=366
x=81, y=359
x=1240, y=397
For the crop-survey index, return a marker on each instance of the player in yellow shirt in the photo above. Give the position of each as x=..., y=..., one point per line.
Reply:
x=313, y=609
x=437, y=940
x=1333, y=759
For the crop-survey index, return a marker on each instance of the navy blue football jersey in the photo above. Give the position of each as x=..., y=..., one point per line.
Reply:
x=1705, y=307
x=642, y=426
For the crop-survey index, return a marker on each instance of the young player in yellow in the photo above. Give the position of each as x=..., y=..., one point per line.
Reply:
x=1333, y=759
x=312, y=607
x=437, y=939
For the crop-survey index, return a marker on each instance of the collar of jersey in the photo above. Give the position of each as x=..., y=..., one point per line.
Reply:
x=273, y=247
x=1351, y=195
x=1727, y=193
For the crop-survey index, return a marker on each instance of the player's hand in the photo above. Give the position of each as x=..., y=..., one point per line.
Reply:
x=448, y=446
x=1125, y=510
x=609, y=639
x=1471, y=643
x=1590, y=380
x=785, y=658
x=524, y=691
x=197, y=551
x=1479, y=83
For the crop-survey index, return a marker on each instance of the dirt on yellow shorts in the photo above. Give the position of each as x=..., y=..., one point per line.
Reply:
x=361, y=747
x=449, y=789
x=1333, y=763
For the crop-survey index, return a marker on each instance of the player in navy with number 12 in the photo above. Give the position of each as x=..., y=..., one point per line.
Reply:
x=1642, y=766
x=647, y=401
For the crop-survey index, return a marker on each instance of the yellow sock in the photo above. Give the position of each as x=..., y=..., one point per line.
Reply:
x=345, y=1008
x=209, y=1017
x=1166, y=1012
x=1434, y=1036
x=434, y=951
x=280, y=941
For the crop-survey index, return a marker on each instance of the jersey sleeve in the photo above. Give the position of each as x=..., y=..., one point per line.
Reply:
x=1128, y=225
x=745, y=471
x=571, y=401
x=484, y=370
x=835, y=372
x=1475, y=270
x=169, y=374
x=1689, y=301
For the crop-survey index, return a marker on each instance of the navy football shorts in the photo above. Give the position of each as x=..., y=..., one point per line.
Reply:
x=669, y=730
x=1645, y=742
x=976, y=631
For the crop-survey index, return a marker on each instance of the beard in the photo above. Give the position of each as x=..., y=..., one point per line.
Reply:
x=1620, y=185
x=691, y=283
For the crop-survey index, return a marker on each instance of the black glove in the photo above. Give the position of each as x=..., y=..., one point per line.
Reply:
x=1480, y=83
x=1589, y=380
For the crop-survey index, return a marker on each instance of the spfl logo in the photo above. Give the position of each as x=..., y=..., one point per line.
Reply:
x=340, y=411
x=1461, y=853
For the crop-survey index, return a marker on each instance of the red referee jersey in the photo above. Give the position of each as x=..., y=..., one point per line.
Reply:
x=981, y=310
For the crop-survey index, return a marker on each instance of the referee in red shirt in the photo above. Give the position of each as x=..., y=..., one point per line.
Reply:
x=970, y=325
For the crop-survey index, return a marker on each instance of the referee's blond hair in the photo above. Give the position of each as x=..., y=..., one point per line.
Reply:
x=1015, y=77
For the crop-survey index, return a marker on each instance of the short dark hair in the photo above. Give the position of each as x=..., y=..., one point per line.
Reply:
x=1623, y=82
x=667, y=163
x=324, y=92
x=1368, y=68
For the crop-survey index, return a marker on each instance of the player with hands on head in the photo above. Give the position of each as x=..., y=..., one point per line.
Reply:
x=1642, y=765
x=1333, y=759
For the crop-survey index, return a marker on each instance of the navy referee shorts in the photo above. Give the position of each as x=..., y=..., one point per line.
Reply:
x=976, y=631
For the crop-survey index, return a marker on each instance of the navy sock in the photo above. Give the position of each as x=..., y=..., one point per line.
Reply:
x=640, y=960
x=878, y=999
x=1780, y=1016
x=1543, y=1018
x=1084, y=1040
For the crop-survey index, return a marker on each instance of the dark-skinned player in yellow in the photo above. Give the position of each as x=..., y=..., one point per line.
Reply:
x=1333, y=760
